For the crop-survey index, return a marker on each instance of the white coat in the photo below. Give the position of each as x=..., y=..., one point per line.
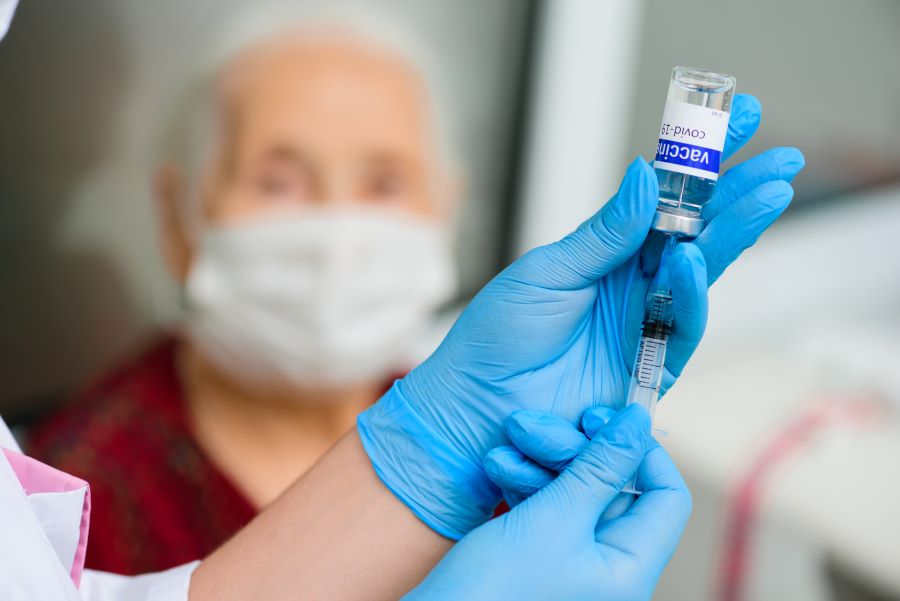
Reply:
x=40, y=534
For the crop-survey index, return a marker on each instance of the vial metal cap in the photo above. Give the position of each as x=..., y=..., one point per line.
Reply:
x=683, y=226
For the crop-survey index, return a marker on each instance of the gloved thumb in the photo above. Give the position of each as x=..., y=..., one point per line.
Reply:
x=601, y=243
x=594, y=478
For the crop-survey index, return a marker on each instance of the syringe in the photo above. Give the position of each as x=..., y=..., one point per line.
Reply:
x=691, y=141
x=649, y=363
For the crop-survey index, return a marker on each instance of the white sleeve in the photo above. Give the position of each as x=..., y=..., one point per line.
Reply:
x=29, y=567
x=171, y=585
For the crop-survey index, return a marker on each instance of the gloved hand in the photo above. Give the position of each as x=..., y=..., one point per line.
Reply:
x=555, y=545
x=557, y=331
x=543, y=444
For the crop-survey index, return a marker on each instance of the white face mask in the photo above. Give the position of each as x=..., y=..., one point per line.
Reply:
x=7, y=9
x=318, y=297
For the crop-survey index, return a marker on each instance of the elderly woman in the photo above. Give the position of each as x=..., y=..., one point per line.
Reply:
x=310, y=237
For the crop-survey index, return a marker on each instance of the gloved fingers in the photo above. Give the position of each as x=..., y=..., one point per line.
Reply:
x=516, y=475
x=652, y=526
x=596, y=477
x=544, y=444
x=544, y=437
x=616, y=508
x=773, y=164
x=740, y=224
x=746, y=112
x=594, y=418
x=651, y=251
x=601, y=243
x=690, y=305
x=512, y=499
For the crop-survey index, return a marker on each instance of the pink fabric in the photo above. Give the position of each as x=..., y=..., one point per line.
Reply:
x=36, y=477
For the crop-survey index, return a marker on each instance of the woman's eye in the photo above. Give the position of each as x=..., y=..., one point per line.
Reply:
x=275, y=185
x=385, y=185
x=278, y=185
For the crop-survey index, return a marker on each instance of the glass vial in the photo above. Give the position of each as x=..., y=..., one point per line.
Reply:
x=691, y=140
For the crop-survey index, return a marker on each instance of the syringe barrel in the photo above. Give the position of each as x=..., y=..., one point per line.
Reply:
x=689, y=151
x=647, y=376
x=650, y=360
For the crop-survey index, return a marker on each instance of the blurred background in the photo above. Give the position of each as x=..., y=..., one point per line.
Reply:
x=786, y=424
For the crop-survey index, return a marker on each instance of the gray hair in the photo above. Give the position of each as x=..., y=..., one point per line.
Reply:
x=188, y=133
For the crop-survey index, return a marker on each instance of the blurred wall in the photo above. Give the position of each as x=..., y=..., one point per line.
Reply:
x=83, y=89
x=577, y=118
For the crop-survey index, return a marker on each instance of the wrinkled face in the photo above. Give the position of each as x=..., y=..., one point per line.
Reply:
x=321, y=122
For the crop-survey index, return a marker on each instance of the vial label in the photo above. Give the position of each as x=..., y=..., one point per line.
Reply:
x=691, y=139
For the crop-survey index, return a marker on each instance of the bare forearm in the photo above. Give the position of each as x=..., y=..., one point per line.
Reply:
x=337, y=533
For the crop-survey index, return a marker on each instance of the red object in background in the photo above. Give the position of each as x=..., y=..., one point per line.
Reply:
x=749, y=489
x=158, y=501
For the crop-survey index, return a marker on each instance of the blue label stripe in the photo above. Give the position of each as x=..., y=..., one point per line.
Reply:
x=688, y=155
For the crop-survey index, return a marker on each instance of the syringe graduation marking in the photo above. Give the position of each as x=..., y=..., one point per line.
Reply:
x=654, y=335
x=650, y=353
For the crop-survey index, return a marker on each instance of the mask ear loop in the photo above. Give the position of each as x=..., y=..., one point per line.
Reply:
x=189, y=214
x=190, y=211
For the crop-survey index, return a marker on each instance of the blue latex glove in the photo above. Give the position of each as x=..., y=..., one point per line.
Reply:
x=555, y=546
x=556, y=331
x=543, y=444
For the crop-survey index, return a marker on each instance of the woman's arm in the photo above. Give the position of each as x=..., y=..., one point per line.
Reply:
x=337, y=533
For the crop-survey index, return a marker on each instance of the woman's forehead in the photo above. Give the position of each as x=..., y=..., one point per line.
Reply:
x=328, y=92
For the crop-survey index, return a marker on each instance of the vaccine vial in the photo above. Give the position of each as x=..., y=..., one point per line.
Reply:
x=691, y=140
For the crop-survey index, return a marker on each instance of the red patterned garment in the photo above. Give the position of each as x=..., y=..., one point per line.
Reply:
x=158, y=501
